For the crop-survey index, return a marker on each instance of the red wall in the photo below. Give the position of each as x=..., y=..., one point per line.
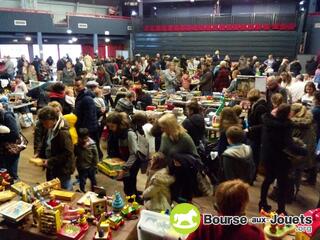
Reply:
x=112, y=47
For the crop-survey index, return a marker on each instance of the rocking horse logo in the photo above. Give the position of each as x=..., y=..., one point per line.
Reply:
x=185, y=218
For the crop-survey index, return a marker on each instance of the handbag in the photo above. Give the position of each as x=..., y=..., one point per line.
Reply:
x=14, y=148
x=297, y=161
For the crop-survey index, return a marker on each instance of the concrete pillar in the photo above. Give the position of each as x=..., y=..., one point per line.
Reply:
x=140, y=8
x=95, y=43
x=39, y=41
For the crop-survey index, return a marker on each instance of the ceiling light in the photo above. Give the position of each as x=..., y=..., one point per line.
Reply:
x=133, y=13
x=69, y=31
x=191, y=0
x=70, y=41
x=74, y=39
x=15, y=40
x=45, y=40
x=155, y=8
x=301, y=2
x=138, y=0
x=302, y=9
x=107, y=40
x=106, y=33
x=28, y=38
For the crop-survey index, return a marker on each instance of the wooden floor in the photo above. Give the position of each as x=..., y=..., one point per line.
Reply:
x=307, y=197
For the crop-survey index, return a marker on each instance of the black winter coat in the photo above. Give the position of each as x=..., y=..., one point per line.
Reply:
x=255, y=120
x=86, y=111
x=195, y=127
x=277, y=136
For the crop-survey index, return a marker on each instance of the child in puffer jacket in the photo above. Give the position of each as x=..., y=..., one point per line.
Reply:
x=157, y=195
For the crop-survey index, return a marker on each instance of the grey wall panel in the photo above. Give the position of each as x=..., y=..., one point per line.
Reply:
x=233, y=43
x=44, y=23
x=313, y=35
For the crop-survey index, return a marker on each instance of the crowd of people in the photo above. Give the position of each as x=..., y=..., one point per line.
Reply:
x=278, y=136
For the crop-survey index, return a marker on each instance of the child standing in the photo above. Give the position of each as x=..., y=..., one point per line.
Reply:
x=87, y=157
x=157, y=193
x=237, y=159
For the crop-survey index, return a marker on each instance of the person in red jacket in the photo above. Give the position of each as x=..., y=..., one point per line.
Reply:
x=232, y=198
x=222, y=80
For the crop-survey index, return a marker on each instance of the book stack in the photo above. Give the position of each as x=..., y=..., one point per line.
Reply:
x=15, y=211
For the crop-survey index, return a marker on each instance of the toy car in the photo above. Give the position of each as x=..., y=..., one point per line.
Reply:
x=115, y=221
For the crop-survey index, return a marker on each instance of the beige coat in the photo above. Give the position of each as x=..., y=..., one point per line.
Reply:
x=157, y=195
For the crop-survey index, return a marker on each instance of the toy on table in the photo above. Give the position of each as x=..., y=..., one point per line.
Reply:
x=24, y=190
x=130, y=209
x=45, y=188
x=15, y=211
x=63, y=195
x=50, y=221
x=117, y=203
x=276, y=231
x=98, y=206
x=103, y=228
x=115, y=221
x=37, y=209
x=78, y=225
x=6, y=195
x=5, y=176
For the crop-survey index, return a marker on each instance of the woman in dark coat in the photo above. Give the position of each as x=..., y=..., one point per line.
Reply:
x=10, y=162
x=258, y=108
x=277, y=137
x=222, y=80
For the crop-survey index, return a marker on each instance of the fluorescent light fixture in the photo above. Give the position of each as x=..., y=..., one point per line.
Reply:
x=70, y=41
x=301, y=2
x=133, y=13
x=191, y=0
x=69, y=31
x=45, y=40
x=302, y=9
x=74, y=39
x=138, y=0
x=15, y=40
x=28, y=38
x=106, y=33
x=107, y=40
x=155, y=8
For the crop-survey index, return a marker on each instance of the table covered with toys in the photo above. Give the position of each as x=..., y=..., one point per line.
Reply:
x=48, y=212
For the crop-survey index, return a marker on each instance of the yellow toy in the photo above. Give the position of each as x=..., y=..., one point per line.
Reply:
x=45, y=188
x=62, y=195
x=50, y=221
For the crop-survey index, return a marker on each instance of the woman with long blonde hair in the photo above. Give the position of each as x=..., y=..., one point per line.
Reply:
x=181, y=153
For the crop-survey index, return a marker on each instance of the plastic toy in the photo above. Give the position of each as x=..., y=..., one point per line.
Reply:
x=115, y=221
x=6, y=196
x=130, y=209
x=103, y=228
x=5, y=175
x=117, y=203
x=72, y=214
x=276, y=231
x=311, y=231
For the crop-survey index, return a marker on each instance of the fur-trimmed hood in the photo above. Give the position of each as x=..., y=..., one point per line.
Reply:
x=162, y=177
x=241, y=151
x=304, y=121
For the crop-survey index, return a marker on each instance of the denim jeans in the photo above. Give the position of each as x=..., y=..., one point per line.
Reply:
x=11, y=164
x=66, y=183
x=87, y=173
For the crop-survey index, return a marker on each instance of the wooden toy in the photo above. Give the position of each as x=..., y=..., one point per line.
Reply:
x=98, y=207
x=115, y=221
x=103, y=229
x=6, y=195
x=5, y=175
x=50, y=221
x=36, y=161
x=117, y=203
x=63, y=195
x=111, y=166
x=71, y=231
x=37, y=209
x=72, y=214
x=87, y=198
x=45, y=188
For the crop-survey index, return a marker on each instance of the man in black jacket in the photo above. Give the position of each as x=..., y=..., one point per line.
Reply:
x=86, y=111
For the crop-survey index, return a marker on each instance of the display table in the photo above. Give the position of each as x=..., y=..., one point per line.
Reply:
x=27, y=231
